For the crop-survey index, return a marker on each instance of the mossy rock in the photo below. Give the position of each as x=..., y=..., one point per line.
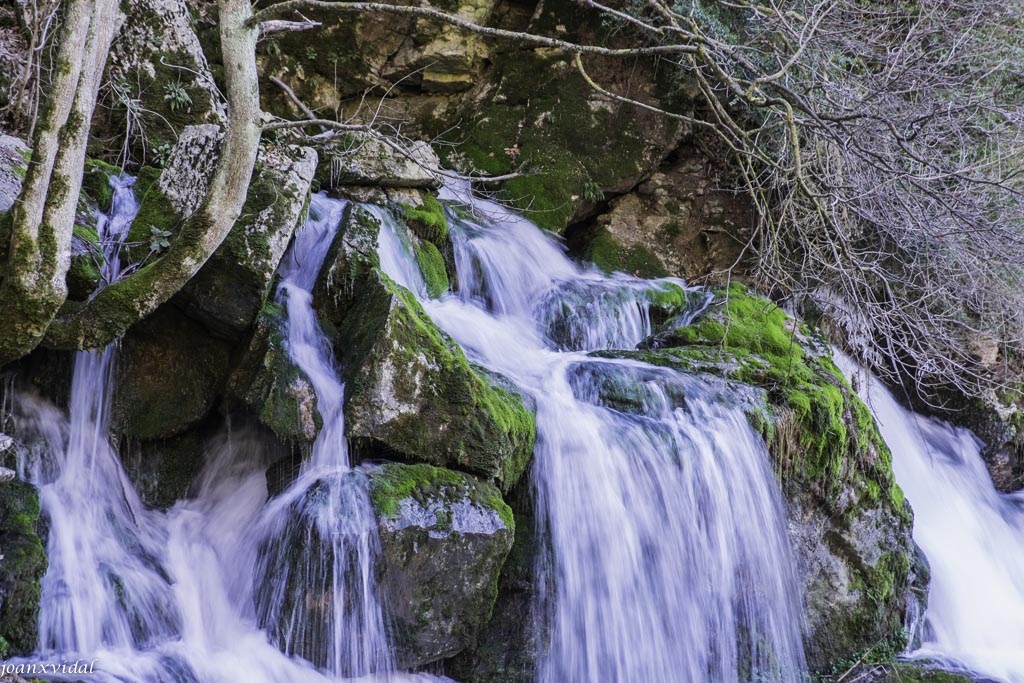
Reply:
x=171, y=373
x=850, y=525
x=408, y=384
x=96, y=183
x=898, y=672
x=22, y=566
x=269, y=384
x=84, y=274
x=610, y=256
x=444, y=538
x=537, y=112
x=228, y=291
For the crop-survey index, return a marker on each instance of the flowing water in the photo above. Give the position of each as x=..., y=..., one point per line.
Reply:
x=668, y=556
x=152, y=596
x=666, y=560
x=972, y=535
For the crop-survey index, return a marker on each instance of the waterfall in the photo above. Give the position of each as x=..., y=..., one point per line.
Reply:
x=972, y=536
x=669, y=559
x=171, y=596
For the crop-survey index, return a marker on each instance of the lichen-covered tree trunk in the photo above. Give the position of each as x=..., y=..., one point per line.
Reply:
x=118, y=306
x=41, y=221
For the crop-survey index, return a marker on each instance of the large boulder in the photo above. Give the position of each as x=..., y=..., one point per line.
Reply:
x=358, y=159
x=160, y=78
x=22, y=564
x=408, y=384
x=170, y=375
x=227, y=293
x=444, y=537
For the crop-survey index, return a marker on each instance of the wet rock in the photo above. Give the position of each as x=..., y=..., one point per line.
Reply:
x=907, y=672
x=444, y=537
x=271, y=386
x=22, y=565
x=170, y=374
x=228, y=292
x=408, y=384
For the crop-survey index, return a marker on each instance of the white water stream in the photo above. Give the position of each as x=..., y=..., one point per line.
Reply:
x=972, y=535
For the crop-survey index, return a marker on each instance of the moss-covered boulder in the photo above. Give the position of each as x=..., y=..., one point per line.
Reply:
x=849, y=524
x=87, y=260
x=408, y=384
x=900, y=672
x=228, y=292
x=170, y=374
x=159, y=79
x=22, y=565
x=357, y=159
x=444, y=537
x=269, y=385
x=168, y=197
x=536, y=112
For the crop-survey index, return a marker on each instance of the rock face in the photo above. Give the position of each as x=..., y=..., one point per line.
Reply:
x=170, y=374
x=160, y=74
x=444, y=537
x=408, y=384
x=229, y=290
x=22, y=565
x=674, y=223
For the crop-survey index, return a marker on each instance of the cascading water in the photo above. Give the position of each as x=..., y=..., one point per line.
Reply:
x=972, y=535
x=318, y=540
x=669, y=559
x=170, y=597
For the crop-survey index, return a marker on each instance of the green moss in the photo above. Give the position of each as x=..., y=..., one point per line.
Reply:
x=392, y=483
x=155, y=211
x=24, y=564
x=610, y=256
x=432, y=267
x=96, y=183
x=427, y=221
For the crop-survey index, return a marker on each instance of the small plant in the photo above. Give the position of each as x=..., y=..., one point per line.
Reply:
x=161, y=154
x=158, y=239
x=177, y=96
x=310, y=53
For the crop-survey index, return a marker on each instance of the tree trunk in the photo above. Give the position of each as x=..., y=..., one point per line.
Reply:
x=114, y=309
x=42, y=219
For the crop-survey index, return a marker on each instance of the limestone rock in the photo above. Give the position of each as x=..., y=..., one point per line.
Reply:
x=408, y=384
x=271, y=386
x=227, y=293
x=13, y=162
x=444, y=537
x=365, y=160
x=677, y=220
x=157, y=62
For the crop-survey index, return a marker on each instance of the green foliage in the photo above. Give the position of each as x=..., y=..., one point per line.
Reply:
x=158, y=239
x=176, y=95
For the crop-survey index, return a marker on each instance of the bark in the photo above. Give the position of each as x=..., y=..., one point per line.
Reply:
x=114, y=309
x=42, y=219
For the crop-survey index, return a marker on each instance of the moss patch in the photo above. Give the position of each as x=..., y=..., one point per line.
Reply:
x=427, y=221
x=22, y=566
x=392, y=482
x=431, y=264
x=607, y=254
